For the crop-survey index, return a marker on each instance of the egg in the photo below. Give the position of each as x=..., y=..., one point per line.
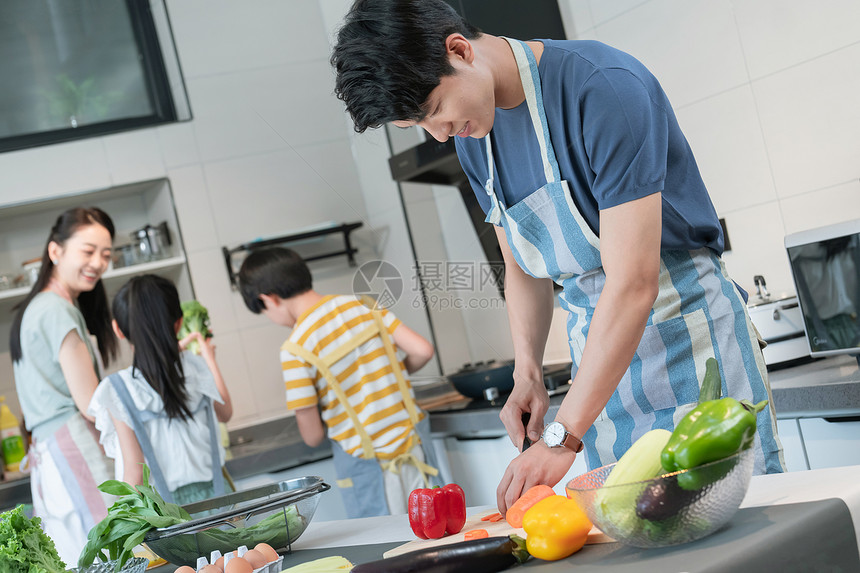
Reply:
x=237, y=565
x=219, y=563
x=268, y=552
x=185, y=569
x=255, y=558
x=210, y=569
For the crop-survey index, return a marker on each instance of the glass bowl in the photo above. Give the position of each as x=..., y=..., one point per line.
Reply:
x=276, y=514
x=133, y=565
x=667, y=510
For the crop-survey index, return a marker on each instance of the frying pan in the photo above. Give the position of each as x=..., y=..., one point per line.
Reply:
x=473, y=379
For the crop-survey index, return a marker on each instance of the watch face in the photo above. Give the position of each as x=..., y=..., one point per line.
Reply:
x=553, y=434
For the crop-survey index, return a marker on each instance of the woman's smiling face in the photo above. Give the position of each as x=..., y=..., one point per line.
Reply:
x=83, y=259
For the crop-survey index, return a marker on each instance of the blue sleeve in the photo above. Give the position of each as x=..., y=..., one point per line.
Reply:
x=626, y=137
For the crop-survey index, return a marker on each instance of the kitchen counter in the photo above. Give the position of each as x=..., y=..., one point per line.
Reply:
x=828, y=387
x=804, y=521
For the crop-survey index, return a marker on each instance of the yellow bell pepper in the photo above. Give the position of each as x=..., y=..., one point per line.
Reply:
x=556, y=528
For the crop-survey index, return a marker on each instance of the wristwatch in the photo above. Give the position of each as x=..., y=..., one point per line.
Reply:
x=555, y=436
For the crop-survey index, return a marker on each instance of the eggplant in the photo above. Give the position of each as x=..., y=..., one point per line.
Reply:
x=663, y=499
x=486, y=555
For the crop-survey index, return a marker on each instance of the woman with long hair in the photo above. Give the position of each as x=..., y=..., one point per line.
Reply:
x=57, y=371
x=163, y=409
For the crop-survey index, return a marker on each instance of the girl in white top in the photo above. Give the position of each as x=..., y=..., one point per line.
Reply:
x=172, y=394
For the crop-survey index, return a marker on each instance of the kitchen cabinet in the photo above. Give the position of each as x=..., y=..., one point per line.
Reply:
x=831, y=444
x=24, y=228
x=792, y=445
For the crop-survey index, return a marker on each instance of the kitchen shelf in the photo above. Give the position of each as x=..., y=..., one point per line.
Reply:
x=344, y=228
x=177, y=262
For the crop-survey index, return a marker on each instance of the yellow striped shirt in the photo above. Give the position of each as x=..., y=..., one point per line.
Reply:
x=365, y=375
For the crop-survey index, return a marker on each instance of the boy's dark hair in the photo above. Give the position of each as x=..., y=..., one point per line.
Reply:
x=93, y=304
x=273, y=270
x=146, y=309
x=389, y=56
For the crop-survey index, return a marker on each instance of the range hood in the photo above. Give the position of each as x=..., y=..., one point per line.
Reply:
x=429, y=162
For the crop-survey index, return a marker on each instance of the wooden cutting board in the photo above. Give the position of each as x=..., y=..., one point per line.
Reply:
x=495, y=529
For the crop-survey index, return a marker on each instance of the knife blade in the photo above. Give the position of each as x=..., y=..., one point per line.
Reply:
x=526, y=441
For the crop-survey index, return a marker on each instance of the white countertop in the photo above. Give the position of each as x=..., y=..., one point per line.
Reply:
x=774, y=489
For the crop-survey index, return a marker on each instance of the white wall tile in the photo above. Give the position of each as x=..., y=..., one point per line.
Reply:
x=732, y=158
x=217, y=36
x=178, y=144
x=212, y=288
x=191, y=198
x=256, y=111
x=232, y=362
x=811, y=120
x=271, y=195
x=133, y=156
x=53, y=170
x=601, y=10
x=777, y=34
x=576, y=15
x=822, y=207
x=332, y=161
x=691, y=46
x=756, y=234
x=265, y=383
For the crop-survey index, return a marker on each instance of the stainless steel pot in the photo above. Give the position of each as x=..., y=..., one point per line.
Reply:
x=152, y=242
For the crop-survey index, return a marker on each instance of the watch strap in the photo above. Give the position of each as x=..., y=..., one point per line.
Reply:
x=571, y=442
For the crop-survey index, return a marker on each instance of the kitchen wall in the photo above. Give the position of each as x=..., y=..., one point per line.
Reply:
x=766, y=92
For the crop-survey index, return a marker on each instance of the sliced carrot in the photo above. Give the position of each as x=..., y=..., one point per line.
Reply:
x=514, y=515
x=496, y=517
x=491, y=517
x=476, y=534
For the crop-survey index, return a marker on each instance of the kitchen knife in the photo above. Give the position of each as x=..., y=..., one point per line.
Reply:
x=526, y=441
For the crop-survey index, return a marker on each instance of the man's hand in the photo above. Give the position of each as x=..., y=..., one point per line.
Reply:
x=529, y=395
x=537, y=465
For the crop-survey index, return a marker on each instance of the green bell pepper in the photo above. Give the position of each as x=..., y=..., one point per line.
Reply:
x=714, y=430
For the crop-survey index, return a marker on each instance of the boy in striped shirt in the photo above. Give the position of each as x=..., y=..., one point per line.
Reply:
x=343, y=366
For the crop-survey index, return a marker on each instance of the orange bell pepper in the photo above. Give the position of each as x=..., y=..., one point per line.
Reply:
x=556, y=528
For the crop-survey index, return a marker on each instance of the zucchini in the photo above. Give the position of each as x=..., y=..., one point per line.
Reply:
x=486, y=555
x=712, y=387
x=641, y=462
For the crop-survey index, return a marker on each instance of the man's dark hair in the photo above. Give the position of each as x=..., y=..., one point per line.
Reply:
x=389, y=56
x=272, y=271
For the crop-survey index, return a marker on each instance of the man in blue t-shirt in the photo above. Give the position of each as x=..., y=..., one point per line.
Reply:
x=574, y=152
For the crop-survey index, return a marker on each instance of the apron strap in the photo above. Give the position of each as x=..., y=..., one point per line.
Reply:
x=217, y=472
x=494, y=215
x=393, y=465
x=527, y=65
x=142, y=437
x=314, y=360
x=392, y=357
x=335, y=355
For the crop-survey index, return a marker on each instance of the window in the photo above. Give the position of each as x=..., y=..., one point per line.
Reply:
x=83, y=68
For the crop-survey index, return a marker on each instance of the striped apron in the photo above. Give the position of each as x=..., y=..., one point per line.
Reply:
x=66, y=470
x=362, y=480
x=698, y=314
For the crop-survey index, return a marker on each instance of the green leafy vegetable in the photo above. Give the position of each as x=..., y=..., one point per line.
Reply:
x=24, y=547
x=129, y=519
x=195, y=318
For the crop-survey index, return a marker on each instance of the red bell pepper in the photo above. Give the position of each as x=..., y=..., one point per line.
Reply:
x=438, y=511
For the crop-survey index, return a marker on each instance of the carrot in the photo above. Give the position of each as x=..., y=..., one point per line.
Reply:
x=476, y=534
x=496, y=517
x=492, y=516
x=514, y=515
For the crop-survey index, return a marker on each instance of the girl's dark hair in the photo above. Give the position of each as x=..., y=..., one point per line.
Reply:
x=93, y=304
x=273, y=270
x=389, y=56
x=146, y=309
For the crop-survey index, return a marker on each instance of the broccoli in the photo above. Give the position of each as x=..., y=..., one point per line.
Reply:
x=24, y=547
x=195, y=318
